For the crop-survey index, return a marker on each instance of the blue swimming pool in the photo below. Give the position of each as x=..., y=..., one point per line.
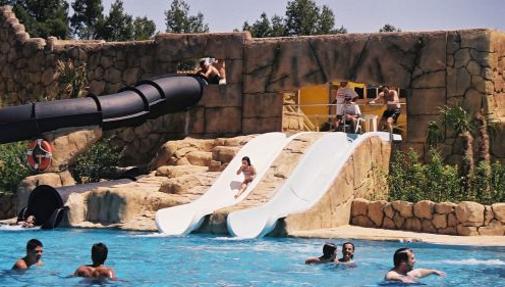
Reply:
x=199, y=260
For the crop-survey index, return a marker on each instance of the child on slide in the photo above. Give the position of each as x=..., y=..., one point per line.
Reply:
x=249, y=174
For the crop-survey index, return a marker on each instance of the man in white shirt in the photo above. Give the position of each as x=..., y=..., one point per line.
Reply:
x=349, y=114
x=343, y=92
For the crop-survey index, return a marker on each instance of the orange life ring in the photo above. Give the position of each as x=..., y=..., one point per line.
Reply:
x=39, y=155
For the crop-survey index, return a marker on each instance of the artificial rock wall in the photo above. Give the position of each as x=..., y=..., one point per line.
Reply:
x=465, y=218
x=436, y=68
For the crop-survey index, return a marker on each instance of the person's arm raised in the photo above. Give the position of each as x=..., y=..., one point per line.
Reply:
x=423, y=272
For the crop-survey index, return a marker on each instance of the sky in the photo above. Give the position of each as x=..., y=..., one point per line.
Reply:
x=358, y=16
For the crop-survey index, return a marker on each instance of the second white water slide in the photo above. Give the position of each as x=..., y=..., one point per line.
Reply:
x=309, y=181
x=182, y=219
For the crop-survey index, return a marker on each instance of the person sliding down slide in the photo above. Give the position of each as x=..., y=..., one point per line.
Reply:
x=249, y=174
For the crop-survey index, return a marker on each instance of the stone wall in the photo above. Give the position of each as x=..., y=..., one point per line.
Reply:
x=436, y=68
x=466, y=218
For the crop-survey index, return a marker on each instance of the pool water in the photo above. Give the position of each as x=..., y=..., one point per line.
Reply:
x=142, y=259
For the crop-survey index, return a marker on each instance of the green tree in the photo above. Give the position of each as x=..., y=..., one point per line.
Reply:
x=87, y=13
x=389, y=28
x=143, y=28
x=261, y=28
x=326, y=21
x=178, y=20
x=117, y=26
x=43, y=18
x=458, y=120
x=278, y=26
x=302, y=17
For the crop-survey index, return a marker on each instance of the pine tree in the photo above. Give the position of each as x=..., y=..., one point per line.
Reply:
x=87, y=13
x=178, y=20
x=43, y=18
x=117, y=26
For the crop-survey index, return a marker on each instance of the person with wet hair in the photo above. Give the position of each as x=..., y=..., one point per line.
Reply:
x=34, y=249
x=249, y=173
x=329, y=255
x=347, y=253
x=97, y=269
x=403, y=270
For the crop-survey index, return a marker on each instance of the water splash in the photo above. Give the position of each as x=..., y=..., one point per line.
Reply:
x=473, y=261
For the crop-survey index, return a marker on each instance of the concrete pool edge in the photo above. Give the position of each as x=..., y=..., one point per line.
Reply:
x=363, y=233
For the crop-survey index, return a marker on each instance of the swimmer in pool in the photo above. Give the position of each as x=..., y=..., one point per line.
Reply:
x=249, y=174
x=97, y=270
x=347, y=253
x=329, y=255
x=403, y=271
x=33, y=256
x=29, y=222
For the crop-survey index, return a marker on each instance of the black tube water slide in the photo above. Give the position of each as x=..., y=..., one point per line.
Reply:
x=46, y=203
x=131, y=106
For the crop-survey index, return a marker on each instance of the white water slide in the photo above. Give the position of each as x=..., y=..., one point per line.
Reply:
x=309, y=181
x=182, y=219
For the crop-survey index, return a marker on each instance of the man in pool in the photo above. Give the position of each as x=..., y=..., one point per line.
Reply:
x=403, y=271
x=347, y=253
x=329, y=255
x=97, y=270
x=33, y=256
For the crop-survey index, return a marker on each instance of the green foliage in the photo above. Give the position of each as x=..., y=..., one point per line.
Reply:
x=12, y=166
x=72, y=79
x=435, y=134
x=143, y=28
x=406, y=172
x=117, y=26
x=303, y=17
x=43, y=18
x=389, y=28
x=99, y=162
x=457, y=119
x=497, y=182
x=178, y=20
x=411, y=180
x=87, y=13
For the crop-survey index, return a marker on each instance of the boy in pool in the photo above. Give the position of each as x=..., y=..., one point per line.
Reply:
x=97, y=269
x=329, y=255
x=403, y=271
x=33, y=256
x=249, y=174
x=347, y=253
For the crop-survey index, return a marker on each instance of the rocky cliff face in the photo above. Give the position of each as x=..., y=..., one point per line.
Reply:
x=181, y=172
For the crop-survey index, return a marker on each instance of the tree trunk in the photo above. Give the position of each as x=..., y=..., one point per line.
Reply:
x=484, y=167
x=468, y=161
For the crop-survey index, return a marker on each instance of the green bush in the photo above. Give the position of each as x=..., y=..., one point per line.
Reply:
x=12, y=166
x=99, y=162
x=411, y=180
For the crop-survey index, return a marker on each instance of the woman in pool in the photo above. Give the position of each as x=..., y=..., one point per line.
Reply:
x=249, y=174
x=329, y=255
